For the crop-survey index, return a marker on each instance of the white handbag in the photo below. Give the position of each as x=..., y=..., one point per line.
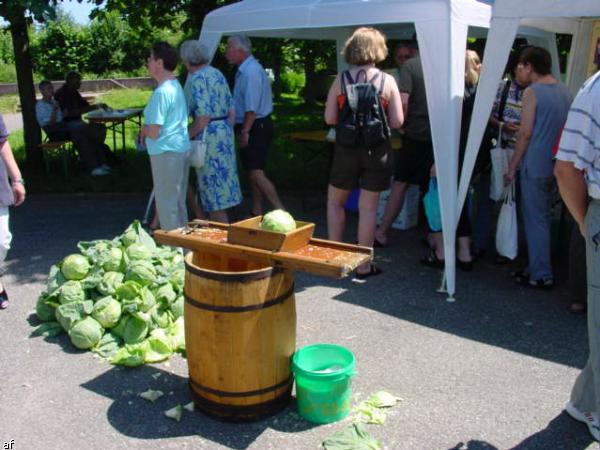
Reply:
x=197, y=152
x=506, y=231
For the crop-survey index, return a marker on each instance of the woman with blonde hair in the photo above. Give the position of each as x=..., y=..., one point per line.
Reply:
x=464, y=258
x=369, y=167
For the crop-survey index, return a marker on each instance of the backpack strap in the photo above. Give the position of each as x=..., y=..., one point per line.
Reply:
x=345, y=75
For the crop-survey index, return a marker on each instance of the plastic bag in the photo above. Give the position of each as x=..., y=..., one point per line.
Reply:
x=506, y=232
x=431, y=202
x=197, y=151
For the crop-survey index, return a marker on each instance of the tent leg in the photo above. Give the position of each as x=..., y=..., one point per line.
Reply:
x=443, y=289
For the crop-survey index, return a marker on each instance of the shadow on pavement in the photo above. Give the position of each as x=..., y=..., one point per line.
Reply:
x=474, y=445
x=135, y=417
x=562, y=433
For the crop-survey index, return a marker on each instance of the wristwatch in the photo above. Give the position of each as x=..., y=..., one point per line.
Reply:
x=20, y=181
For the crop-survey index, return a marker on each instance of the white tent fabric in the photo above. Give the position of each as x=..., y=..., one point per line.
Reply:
x=441, y=28
x=506, y=17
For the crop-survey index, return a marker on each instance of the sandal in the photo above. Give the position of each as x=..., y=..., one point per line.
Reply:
x=502, y=260
x=373, y=271
x=378, y=244
x=541, y=283
x=520, y=276
x=3, y=300
x=578, y=308
x=466, y=266
x=431, y=260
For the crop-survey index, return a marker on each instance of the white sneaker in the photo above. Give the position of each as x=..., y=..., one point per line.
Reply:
x=99, y=171
x=105, y=166
x=589, y=418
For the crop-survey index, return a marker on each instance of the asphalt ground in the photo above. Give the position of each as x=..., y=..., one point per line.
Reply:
x=491, y=371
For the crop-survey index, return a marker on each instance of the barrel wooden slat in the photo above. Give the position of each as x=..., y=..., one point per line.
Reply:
x=240, y=325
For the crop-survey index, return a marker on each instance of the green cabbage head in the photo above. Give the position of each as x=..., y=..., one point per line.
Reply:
x=142, y=272
x=70, y=313
x=75, y=267
x=86, y=333
x=44, y=311
x=114, y=260
x=278, y=220
x=110, y=282
x=71, y=291
x=107, y=311
x=135, y=330
x=138, y=251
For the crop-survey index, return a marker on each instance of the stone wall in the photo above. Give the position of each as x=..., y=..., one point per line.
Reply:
x=92, y=85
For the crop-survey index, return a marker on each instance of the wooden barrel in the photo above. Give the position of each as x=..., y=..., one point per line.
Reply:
x=240, y=333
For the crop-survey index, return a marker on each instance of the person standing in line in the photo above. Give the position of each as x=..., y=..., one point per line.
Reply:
x=415, y=158
x=368, y=167
x=577, y=172
x=211, y=107
x=545, y=106
x=253, y=103
x=12, y=192
x=404, y=51
x=165, y=134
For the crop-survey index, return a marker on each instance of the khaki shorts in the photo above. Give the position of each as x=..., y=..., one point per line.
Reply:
x=354, y=167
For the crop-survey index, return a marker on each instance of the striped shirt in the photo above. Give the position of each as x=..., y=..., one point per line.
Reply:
x=512, y=109
x=580, y=141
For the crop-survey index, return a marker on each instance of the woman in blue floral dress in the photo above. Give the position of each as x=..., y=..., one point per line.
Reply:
x=211, y=106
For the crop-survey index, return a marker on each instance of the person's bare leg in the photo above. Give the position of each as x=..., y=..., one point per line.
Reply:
x=219, y=216
x=436, y=241
x=154, y=224
x=464, y=249
x=367, y=222
x=192, y=201
x=266, y=188
x=257, y=208
x=392, y=209
x=336, y=214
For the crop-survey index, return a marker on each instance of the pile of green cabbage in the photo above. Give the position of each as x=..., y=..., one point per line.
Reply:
x=120, y=298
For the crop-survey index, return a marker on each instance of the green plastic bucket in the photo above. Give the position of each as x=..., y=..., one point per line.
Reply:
x=323, y=373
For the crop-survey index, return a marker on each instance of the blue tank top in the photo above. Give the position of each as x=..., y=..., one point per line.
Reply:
x=553, y=101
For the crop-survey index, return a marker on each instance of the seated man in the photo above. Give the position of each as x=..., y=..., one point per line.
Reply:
x=50, y=118
x=48, y=114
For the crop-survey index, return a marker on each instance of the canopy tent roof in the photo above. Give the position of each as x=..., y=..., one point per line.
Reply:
x=441, y=28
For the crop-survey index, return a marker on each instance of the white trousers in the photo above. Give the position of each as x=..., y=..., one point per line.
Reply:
x=5, y=235
x=170, y=176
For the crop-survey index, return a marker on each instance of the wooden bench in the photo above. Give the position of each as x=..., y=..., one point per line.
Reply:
x=59, y=148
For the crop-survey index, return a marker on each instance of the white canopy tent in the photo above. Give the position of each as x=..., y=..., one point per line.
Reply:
x=507, y=15
x=441, y=28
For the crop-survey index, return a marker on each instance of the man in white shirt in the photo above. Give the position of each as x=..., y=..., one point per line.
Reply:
x=49, y=117
x=577, y=171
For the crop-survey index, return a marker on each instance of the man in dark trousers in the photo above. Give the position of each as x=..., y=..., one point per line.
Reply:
x=253, y=102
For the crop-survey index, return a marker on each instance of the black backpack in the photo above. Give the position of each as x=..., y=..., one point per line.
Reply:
x=361, y=119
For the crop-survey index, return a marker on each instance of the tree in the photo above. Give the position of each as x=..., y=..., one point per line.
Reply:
x=19, y=14
x=61, y=46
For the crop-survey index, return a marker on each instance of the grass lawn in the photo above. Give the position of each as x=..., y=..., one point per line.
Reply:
x=285, y=165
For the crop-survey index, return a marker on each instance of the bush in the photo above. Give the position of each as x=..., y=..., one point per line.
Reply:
x=8, y=73
x=292, y=82
x=60, y=47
